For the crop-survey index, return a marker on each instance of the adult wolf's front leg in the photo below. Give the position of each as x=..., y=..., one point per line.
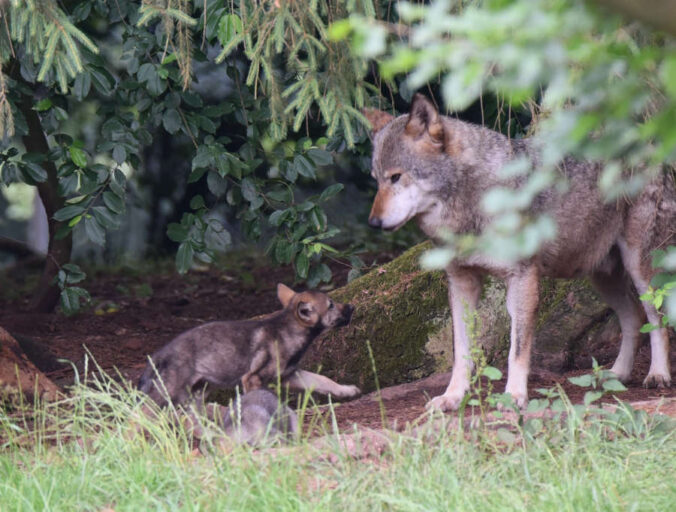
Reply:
x=464, y=288
x=301, y=380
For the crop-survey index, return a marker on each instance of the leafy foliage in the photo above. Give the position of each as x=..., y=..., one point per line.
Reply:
x=130, y=70
x=598, y=88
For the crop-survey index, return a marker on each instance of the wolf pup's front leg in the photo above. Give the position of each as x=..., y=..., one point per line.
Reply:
x=303, y=380
x=464, y=288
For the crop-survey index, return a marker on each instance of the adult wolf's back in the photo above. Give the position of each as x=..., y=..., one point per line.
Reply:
x=436, y=170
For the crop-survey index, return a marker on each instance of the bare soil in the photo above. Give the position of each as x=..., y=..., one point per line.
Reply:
x=135, y=312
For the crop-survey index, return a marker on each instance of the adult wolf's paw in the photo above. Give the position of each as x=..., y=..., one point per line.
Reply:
x=347, y=391
x=445, y=403
x=656, y=380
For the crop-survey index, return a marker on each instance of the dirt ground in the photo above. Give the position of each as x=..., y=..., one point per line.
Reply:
x=135, y=312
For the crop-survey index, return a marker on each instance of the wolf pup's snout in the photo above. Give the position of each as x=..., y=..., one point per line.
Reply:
x=346, y=315
x=375, y=222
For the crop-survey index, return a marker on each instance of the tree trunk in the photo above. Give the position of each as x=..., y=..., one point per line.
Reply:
x=402, y=313
x=19, y=375
x=58, y=252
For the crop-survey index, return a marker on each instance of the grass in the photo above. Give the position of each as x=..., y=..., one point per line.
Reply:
x=83, y=454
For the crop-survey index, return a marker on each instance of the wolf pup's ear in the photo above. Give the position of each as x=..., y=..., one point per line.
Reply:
x=377, y=118
x=424, y=119
x=306, y=313
x=284, y=294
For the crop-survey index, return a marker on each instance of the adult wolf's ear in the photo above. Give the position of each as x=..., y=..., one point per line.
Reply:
x=284, y=294
x=377, y=118
x=424, y=119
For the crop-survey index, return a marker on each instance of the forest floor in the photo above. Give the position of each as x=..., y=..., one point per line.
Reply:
x=137, y=310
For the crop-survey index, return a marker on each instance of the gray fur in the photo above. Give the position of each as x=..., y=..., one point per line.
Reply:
x=254, y=352
x=258, y=416
x=436, y=170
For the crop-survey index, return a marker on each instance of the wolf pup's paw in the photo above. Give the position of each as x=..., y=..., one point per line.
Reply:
x=445, y=403
x=347, y=391
x=655, y=380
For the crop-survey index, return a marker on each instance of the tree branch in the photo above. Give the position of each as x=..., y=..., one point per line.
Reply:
x=58, y=253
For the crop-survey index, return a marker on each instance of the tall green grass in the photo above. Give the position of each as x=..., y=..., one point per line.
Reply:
x=84, y=453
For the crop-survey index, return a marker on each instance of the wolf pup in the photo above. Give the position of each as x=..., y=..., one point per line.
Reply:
x=252, y=352
x=436, y=169
x=257, y=416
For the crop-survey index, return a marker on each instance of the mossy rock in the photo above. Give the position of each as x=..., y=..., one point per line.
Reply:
x=402, y=313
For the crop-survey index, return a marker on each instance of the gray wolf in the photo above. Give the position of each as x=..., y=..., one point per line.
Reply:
x=257, y=416
x=254, y=352
x=436, y=169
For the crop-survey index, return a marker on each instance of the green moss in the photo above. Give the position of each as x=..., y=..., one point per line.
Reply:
x=402, y=312
x=397, y=308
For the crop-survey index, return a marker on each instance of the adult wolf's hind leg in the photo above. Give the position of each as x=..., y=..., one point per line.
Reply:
x=522, y=303
x=615, y=289
x=659, y=374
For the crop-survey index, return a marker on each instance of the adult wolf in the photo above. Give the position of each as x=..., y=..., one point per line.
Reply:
x=436, y=169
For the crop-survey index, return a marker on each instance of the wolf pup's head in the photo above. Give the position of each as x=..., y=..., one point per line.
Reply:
x=315, y=310
x=407, y=150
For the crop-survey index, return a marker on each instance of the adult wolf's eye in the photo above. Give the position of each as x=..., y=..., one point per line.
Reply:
x=395, y=177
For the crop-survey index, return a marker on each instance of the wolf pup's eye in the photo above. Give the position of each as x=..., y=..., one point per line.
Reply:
x=330, y=304
x=394, y=178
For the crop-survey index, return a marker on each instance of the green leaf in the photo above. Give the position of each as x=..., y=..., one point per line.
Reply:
x=582, y=381
x=78, y=156
x=304, y=167
x=249, y=191
x=284, y=251
x=277, y=217
x=119, y=153
x=171, y=120
x=70, y=300
x=43, y=104
x=330, y=191
x=74, y=221
x=94, y=231
x=113, y=202
x=506, y=436
x=613, y=385
x=68, y=212
x=228, y=27
x=492, y=373
x=74, y=273
x=320, y=156
x=592, y=396
x=340, y=29
x=216, y=237
x=648, y=328
x=668, y=75
x=34, y=172
x=217, y=185
x=82, y=85
x=184, y=257
x=537, y=405
x=177, y=232
x=101, y=80
x=302, y=265
x=105, y=218
x=197, y=202
x=203, y=158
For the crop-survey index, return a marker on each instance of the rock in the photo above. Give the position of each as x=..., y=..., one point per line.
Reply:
x=402, y=313
x=19, y=375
